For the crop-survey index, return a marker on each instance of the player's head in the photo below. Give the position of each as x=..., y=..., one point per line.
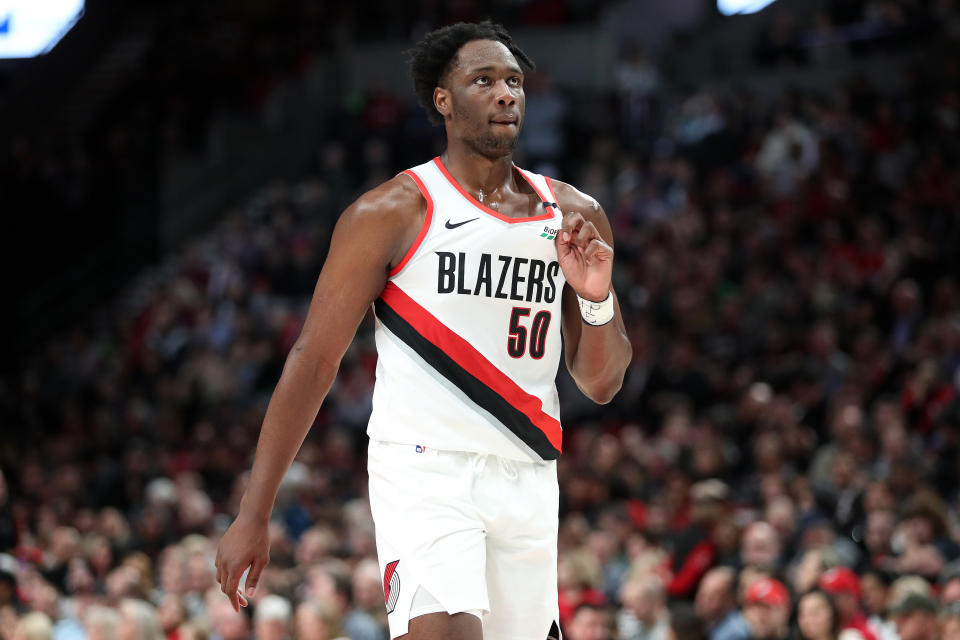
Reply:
x=468, y=76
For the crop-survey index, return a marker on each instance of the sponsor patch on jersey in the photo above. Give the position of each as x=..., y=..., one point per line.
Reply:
x=391, y=586
x=549, y=233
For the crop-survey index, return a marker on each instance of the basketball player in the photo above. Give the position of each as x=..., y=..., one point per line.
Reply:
x=469, y=261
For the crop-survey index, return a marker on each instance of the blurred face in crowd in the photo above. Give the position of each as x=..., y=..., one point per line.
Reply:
x=367, y=587
x=45, y=599
x=227, y=623
x=916, y=625
x=714, y=597
x=767, y=622
x=270, y=629
x=484, y=84
x=760, y=545
x=847, y=605
x=950, y=628
x=880, y=525
x=311, y=623
x=643, y=595
x=170, y=612
x=590, y=623
x=200, y=574
x=951, y=591
x=874, y=594
x=815, y=617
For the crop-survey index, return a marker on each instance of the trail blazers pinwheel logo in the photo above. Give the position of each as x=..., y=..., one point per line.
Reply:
x=391, y=586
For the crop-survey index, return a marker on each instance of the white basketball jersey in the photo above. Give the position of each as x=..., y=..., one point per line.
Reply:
x=468, y=328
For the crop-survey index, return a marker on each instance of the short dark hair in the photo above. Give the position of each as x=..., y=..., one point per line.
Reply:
x=831, y=604
x=430, y=59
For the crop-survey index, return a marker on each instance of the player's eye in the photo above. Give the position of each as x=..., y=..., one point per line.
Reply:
x=482, y=80
x=515, y=81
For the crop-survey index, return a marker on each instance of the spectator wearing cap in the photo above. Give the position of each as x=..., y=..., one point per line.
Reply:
x=916, y=617
x=844, y=585
x=817, y=617
x=716, y=604
x=694, y=548
x=766, y=608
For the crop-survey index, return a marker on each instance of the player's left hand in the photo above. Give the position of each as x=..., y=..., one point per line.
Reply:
x=585, y=259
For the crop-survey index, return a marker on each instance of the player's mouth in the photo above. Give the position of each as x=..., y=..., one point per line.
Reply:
x=506, y=120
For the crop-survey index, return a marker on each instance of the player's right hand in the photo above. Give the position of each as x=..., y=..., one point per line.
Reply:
x=246, y=544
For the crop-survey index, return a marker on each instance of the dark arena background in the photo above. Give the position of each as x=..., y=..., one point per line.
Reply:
x=783, y=183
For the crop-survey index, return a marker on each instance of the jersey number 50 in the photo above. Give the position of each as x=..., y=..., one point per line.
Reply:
x=517, y=342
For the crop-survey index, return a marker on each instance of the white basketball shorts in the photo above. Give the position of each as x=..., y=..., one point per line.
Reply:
x=465, y=532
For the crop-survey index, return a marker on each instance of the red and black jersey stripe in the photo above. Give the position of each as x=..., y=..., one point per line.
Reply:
x=460, y=363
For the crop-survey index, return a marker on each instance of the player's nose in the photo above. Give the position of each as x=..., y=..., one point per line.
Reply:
x=505, y=94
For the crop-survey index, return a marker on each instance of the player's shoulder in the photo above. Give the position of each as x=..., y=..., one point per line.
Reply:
x=569, y=198
x=396, y=201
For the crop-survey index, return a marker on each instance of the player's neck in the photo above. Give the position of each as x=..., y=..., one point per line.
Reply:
x=477, y=173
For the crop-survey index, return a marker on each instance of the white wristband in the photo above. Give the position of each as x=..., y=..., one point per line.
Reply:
x=596, y=313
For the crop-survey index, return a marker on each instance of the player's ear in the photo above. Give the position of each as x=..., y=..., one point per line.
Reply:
x=441, y=100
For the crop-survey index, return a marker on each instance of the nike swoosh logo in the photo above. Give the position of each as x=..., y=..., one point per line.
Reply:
x=457, y=224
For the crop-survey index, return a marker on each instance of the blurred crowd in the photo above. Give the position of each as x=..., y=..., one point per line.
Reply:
x=782, y=462
x=839, y=29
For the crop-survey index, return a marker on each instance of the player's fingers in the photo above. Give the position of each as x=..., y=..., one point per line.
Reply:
x=596, y=250
x=250, y=586
x=230, y=587
x=572, y=221
x=218, y=564
x=586, y=233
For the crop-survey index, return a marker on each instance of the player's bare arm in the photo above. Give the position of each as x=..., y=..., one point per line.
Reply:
x=371, y=236
x=596, y=356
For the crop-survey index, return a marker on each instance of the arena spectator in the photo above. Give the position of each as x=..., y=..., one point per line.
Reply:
x=817, y=616
x=760, y=546
x=694, y=547
x=591, y=622
x=950, y=583
x=644, y=614
x=950, y=621
x=915, y=617
x=844, y=585
x=273, y=618
x=317, y=620
x=366, y=620
x=716, y=604
x=766, y=608
x=33, y=626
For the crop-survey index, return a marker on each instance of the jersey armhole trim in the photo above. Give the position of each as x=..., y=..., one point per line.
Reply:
x=552, y=193
x=423, y=229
